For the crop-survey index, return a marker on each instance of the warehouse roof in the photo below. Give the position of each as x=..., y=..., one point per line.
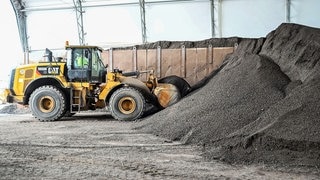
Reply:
x=25, y=8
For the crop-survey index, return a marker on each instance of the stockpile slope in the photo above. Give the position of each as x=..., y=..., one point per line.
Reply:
x=262, y=105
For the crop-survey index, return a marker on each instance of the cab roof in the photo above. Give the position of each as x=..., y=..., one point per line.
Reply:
x=83, y=47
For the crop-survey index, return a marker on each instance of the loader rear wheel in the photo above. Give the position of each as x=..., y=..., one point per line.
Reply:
x=127, y=103
x=47, y=103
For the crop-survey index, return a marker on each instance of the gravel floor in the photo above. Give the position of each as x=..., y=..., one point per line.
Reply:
x=95, y=146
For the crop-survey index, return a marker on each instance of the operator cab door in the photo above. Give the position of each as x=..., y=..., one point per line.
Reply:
x=78, y=64
x=98, y=71
x=85, y=65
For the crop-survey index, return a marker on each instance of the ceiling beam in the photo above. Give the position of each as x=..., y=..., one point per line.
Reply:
x=106, y=5
x=21, y=18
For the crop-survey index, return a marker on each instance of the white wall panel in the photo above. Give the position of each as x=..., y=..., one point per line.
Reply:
x=112, y=25
x=51, y=28
x=305, y=12
x=11, y=51
x=250, y=18
x=178, y=21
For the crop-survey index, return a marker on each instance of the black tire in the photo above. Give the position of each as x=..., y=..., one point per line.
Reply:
x=182, y=85
x=47, y=103
x=127, y=104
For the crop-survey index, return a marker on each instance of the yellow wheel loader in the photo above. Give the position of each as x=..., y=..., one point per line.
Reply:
x=55, y=88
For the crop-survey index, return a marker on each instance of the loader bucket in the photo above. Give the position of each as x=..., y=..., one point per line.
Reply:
x=4, y=93
x=167, y=94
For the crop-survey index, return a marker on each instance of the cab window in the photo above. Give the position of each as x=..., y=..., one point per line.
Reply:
x=81, y=58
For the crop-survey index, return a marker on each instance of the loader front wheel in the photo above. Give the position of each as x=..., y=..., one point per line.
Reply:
x=127, y=103
x=47, y=103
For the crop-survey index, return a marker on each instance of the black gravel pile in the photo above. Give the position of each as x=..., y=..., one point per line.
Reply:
x=214, y=42
x=261, y=106
x=12, y=108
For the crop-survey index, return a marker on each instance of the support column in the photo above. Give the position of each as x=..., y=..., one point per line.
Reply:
x=134, y=59
x=21, y=18
x=213, y=31
x=110, y=60
x=216, y=18
x=288, y=11
x=143, y=20
x=219, y=7
x=183, y=70
x=26, y=57
x=159, y=56
x=79, y=15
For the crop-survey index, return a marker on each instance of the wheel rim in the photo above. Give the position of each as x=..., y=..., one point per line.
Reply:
x=127, y=105
x=46, y=104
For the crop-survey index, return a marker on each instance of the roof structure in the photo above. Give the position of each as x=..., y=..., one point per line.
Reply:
x=127, y=22
x=23, y=8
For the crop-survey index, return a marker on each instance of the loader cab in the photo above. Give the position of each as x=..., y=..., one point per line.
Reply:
x=85, y=65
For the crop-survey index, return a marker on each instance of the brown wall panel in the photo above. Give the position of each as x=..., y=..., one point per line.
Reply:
x=141, y=60
x=202, y=63
x=105, y=57
x=122, y=59
x=219, y=53
x=197, y=64
x=151, y=60
x=193, y=64
x=170, y=62
x=146, y=60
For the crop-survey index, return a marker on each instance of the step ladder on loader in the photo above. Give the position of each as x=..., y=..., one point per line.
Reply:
x=76, y=100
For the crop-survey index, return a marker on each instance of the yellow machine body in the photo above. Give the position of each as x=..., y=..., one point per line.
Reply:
x=54, y=89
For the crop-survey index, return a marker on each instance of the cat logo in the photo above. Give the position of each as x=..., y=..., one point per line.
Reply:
x=48, y=70
x=53, y=70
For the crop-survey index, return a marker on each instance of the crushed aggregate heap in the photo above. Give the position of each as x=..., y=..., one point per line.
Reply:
x=261, y=106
